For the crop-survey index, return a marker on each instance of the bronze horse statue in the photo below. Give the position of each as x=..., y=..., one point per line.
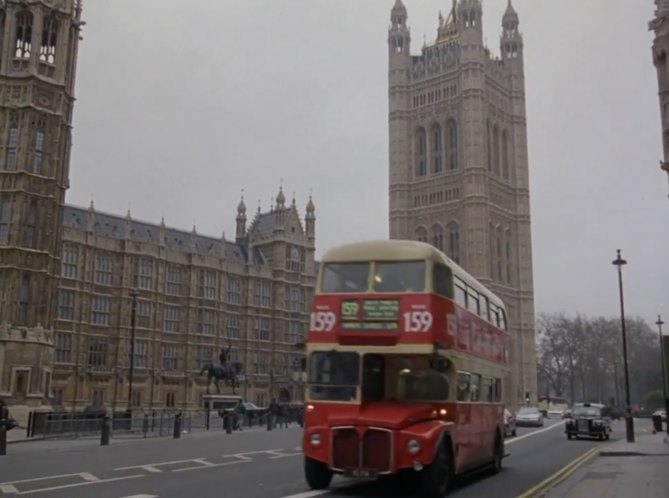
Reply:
x=228, y=372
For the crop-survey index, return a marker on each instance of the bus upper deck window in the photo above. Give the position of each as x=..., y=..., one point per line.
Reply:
x=345, y=277
x=442, y=281
x=401, y=276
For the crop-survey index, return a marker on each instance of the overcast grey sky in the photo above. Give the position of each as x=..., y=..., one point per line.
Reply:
x=180, y=105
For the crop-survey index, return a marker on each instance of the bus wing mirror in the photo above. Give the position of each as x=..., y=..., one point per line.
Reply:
x=438, y=364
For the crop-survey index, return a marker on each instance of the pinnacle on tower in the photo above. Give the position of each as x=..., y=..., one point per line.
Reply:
x=510, y=15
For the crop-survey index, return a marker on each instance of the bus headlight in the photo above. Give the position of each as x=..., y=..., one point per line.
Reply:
x=315, y=439
x=413, y=446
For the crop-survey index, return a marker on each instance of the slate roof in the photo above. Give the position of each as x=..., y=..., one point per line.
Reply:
x=114, y=226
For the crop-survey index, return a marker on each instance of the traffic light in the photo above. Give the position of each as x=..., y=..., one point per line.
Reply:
x=527, y=397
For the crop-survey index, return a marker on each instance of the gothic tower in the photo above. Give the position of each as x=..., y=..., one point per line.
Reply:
x=458, y=160
x=660, y=25
x=38, y=55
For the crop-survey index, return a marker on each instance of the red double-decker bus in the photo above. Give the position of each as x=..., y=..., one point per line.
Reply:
x=406, y=358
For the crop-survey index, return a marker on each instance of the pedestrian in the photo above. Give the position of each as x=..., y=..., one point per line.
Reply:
x=240, y=411
x=283, y=421
x=274, y=412
x=6, y=420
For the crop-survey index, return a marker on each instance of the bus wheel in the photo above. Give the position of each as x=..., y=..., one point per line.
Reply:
x=436, y=477
x=317, y=474
x=498, y=455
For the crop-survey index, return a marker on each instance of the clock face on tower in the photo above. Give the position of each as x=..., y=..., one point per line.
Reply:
x=295, y=253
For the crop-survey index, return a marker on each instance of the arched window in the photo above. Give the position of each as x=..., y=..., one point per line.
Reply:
x=505, y=155
x=24, y=34
x=435, y=141
x=438, y=236
x=489, y=139
x=498, y=240
x=38, y=147
x=495, y=154
x=24, y=300
x=454, y=242
x=421, y=152
x=472, y=18
x=30, y=228
x=12, y=145
x=491, y=238
x=508, y=257
x=452, y=133
x=47, y=50
x=5, y=219
x=421, y=234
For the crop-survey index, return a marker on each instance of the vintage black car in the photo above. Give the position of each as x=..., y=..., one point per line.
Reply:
x=589, y=420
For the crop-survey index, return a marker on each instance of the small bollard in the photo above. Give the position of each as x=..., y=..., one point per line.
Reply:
x=3, y=440
x=269, y=422
x=145, y=425
x=105, y=431
x=177, y=426
x=228, y=423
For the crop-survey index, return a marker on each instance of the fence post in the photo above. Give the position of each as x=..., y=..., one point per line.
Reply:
x=228, y=422
x=269, y=421
x=145, y=424
x=105, y=431
x=3, y=439
x=153, y=420
x=177, y=426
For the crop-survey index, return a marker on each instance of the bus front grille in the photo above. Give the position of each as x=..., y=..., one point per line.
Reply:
x=377, y=450
x=345, y=448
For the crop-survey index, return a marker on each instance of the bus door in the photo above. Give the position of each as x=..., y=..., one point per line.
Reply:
x=373, y=378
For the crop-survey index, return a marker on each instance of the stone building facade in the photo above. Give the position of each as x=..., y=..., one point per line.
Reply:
x=458, y=161
x=660, y=26
x=196, y=295
x=38, y=53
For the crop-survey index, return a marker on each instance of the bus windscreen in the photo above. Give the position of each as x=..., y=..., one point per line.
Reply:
x=334, y=375
x=345, y=277
x=400, y=276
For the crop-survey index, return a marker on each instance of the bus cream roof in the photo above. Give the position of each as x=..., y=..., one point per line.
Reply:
x=402, y=250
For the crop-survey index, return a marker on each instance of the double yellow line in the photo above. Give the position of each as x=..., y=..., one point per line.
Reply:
x=561, y=474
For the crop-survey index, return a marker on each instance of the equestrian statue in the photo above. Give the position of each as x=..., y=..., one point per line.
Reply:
x=228, y=371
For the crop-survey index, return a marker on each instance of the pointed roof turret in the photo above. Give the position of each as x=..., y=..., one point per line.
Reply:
x=510, y=13
x=399, y=8
x=241, y=207
x=280, y=198
x=311, y=208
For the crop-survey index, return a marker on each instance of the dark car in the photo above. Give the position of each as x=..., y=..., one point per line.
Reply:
x=589, y=420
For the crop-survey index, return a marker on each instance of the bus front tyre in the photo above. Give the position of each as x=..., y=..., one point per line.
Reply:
x=436, y=478
x=317, y=474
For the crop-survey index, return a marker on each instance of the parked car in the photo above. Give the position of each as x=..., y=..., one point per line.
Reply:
x=529, y=415
x=589, y=420
x=509, y=424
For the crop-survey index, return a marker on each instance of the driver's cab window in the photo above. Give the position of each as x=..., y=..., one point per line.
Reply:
x=416, y=379
x=373, y=377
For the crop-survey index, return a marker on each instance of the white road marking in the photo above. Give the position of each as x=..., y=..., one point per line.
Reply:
x=64, y=486
x=141, y=496
x=153, y=467
x=309, y=494
x=534, y=433
x=87, y=476
x=45, y=478
x=8, y=489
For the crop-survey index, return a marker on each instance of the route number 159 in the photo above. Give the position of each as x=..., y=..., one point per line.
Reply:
x=323, y=321
x=417, y=321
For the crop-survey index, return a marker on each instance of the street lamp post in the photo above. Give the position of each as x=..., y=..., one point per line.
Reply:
x=133, y=322
x=629, y=421
x=659, y=324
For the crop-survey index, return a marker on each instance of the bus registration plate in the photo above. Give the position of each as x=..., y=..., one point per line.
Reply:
x=360, y=473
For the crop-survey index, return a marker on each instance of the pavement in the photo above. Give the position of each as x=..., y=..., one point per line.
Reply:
x=621, y=470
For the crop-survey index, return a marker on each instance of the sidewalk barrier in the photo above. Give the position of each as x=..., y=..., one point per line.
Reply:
x=3, y=440
x=145, y=424
x=105, y=431
x=177, y=426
